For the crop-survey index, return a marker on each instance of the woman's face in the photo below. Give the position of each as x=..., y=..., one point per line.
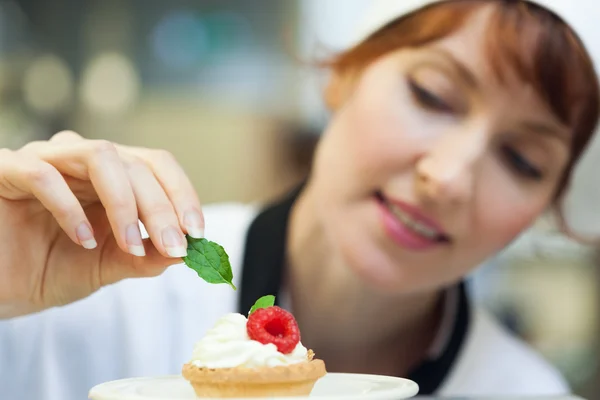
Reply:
x=431, y=164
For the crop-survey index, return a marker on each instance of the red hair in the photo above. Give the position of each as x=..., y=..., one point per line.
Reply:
x=535, y=43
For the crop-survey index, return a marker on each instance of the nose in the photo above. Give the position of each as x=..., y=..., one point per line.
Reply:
x=447, y=169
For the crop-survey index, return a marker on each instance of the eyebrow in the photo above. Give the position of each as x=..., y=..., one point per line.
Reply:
x=537, y=127
x=546, y=129
x=464, y=72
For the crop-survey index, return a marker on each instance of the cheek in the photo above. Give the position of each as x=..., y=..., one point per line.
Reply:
x=372, y=136
x=502, y=218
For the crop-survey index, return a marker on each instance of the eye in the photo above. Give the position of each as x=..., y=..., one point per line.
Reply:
x=428, y=99
x=521, y=165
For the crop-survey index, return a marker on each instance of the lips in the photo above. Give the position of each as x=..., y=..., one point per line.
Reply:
x=408, y=226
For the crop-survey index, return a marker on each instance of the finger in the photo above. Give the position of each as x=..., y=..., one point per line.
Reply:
x=156, y=211
x=22, y=177
x=109, y=178
x=66, y=137
x=177, y=187
x=98, y=162
x=117, y=265
x=81, y=188
x=60, y=138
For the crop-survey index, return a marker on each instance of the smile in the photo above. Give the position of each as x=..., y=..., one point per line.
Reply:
x=408, y=227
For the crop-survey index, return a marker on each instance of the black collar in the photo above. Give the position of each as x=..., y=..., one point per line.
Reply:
x=262, y=274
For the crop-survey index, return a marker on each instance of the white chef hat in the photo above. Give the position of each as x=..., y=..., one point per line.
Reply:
x=581, y=206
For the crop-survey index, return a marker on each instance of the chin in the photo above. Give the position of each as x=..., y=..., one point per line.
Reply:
x=359, y=240
x=357, y=244
x=377, y=276
x=388, y=275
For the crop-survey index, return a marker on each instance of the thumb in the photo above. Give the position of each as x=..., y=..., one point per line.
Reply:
x=117, y=265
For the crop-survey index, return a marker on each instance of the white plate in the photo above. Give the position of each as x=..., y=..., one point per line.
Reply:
x=332, y=386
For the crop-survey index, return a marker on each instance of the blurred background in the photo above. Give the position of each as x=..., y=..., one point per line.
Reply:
x=228, y=87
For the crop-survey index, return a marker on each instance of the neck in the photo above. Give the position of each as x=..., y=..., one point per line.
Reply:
x=352, y=326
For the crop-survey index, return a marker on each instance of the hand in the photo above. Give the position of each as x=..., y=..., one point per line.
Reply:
x=69, y=212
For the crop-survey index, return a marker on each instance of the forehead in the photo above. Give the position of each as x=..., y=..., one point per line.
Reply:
x=469, y=46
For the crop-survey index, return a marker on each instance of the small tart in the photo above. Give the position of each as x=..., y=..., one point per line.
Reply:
x=287, y=380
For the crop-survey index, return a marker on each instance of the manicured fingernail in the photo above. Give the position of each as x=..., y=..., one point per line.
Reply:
x=174, y=242
x=193, y=224
x=133, y=237
x=86, y=236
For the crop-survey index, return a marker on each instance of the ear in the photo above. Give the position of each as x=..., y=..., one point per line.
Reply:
x=339, y=88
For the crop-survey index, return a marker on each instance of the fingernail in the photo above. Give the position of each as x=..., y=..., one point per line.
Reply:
x=86, y=236
x=174, y=242
x=193, y=224
x=133, y=237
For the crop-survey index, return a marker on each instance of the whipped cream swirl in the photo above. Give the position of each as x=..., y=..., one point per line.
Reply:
x=227, y=345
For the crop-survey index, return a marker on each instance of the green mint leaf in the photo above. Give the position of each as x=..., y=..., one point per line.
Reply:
x=263, y=302
x=209, y=260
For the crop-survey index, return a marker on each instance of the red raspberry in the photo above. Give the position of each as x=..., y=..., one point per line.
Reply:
x=274, y=325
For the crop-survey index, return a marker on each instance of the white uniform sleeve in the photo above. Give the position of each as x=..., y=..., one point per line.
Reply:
x=137, y=327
